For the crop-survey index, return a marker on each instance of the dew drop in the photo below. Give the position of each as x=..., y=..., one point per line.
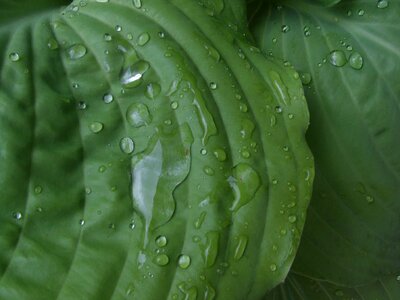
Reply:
x=127, y=145
x=398, y=278
x=76, y=51
x=209, y=171
x=184, y=261
x=203, y=151
x=161, y=241
x=96, y=127
x=361, y=12
x=369, y=199
x=382, y=4
x=161, y=35
x=162, y=260
x=278, y=109
x=337, y=58
x=108, y=98
x=137, y=3
x=14, y=56
x=138, y=115
x=356, y=61
x=143, y=39
x=81, y=105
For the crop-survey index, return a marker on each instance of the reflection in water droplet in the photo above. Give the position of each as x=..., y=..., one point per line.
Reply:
x=127, y=145
x=76, y=51
x=356, y=61
x=96, y=127
x=138, y=115
x=337, y=58
x=184, y=261
x=131, y=76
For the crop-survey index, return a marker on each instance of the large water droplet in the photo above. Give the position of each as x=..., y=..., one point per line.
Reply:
x=138, y=115
x=152, y=90
x=161, y=241
x=96, y=127
x=184, y=261
x=127, y=145
x=143, y=39
x=210, y=249
x=240, y=247
x=356, y=61
x=76, y=51
x=131, y=76
x=337, y=58
x=220, y=154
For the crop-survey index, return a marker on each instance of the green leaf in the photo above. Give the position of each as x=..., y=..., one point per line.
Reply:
x=148, y=151
x=347, y=58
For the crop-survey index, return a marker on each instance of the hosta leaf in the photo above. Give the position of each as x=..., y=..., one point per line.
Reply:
x=148, y=151
x=348, y=59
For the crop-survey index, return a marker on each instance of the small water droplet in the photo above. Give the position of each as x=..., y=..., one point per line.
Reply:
x=382, y=4
x=17, y=215
x=137, y=3
x=369, y=199
x=243, y=107
x=356, y=61
x=76, y=51
x=118, y=28
x=102, y=169
x=245, y=154
x=240, y=247
x=174, y=105
x=52, y=44
x=131, y=76
x=305, y=78
x=273, y=267
x=306, y=31
x=138, y=115
x=220, y=154
x=81, y=105
x=292, y=219
x=285, y=28
x=143, y=39
x=278, y=109
x=96, y=127
x=200, y=220
x=398, y=278
x=161, y=241
x=127, y=145
x=14, y=56
x=291, y=116
x=203, y=151
x=213, y=85
x=81, y=222
x=162, y=260
x=107, y=37
x=152, y=90
x=209, y=171
x=161, y=35
x=361, y=12
x=184, y=261
x=337, y=58
x=88, y=191
x=108, y=98
x=38, y=189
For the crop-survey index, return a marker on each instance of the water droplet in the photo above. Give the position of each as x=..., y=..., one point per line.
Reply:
x=108, y=98
x=17, y=215
x=273, y=267
x=220, y=154
x=81, y=222
x=174, y=105
x=337, y=58
x=285, y=28
x=291, y=116
x=162, y=260
x=382, y=4
x=356, y=61
x=102, y=169
x=209, y=171
x=361, y=12
x=143, y=39
x=240, y=247
x=212, y=52
x=118, y=28
x=247, y=128
x=76, y=51
x=137, y=3
x=81, y=105
x=161, y=241
x=243, y=107
x=278, y=109
x=127, y=145
x=38, y=189
x=152, y=90
x=52, y=44
x=107, y=37
x=306, y=31
x=213, y=85
x=96, y=127
x=82, y=3
x=203, y=151
x=398, y=278
x=161, y=35
x=88, y=191
x=210, y=249
x=349, y=48
x=305, y=78
x=245, y=154
x=184, y=261
x=274, y=40
x=138, y=115
x=292, y=219
x=14, y=56
x=131, y=76
x=200, y=220
x=369, y=199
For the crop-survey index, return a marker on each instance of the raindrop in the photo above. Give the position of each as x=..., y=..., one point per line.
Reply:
x=14, y=56
x=356, y=61
x=203, y=151
x=161, y=241
x=76, y=51
x=184, y=261
x=162, y=260
x=337, y=58
x=131, y=76
x=209, y=171
x=137, y=3
x=127, y=145
x=96, y=127
x=240, y=247
x=138, y=115
x=306, y=31
x=143, y=39
x=278, y=109
x=369, y=199
x=161, y=35
x=382, y=4
x=108, y=98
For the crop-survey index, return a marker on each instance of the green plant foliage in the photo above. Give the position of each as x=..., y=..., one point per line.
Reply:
x=148, y=151
x=348, y=61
